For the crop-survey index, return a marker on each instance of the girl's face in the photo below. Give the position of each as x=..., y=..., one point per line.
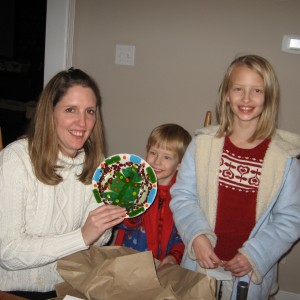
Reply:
x=74, y=118
x=164, y=162
x=246, y=95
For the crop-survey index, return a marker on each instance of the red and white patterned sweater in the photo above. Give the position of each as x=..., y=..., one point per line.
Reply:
x=239, y=178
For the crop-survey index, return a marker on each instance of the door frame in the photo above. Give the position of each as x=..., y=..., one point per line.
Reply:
x=59, y=37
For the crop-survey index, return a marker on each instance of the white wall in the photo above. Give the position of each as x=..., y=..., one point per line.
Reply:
x=182, y=50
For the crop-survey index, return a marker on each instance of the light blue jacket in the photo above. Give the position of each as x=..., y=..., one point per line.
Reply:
x=194, y=205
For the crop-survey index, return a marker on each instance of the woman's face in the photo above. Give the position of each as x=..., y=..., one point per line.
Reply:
x=246, y=95
x=74, y=118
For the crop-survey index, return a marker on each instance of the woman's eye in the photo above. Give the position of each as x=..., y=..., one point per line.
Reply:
x=92, y=112
x=70, y=109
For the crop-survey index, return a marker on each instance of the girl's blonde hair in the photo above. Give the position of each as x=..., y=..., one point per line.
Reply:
x=42, y=137
x=268, y=119
x=171, y=137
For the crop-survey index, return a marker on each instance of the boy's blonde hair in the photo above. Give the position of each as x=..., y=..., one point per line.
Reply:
x=268, y=119
x=172, y=137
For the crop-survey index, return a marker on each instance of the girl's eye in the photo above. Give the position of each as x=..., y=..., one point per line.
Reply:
x=259, y=91
x=237, y=89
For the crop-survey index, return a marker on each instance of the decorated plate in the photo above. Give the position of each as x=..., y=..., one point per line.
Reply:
x=125, y=180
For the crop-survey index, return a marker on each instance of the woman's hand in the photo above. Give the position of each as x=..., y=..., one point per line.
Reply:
x=238, y=266
x=205, y=254
x=101, y=219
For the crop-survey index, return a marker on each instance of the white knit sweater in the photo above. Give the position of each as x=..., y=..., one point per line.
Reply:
x=39, y=223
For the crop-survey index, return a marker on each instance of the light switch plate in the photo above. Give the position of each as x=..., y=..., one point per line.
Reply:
x=125, y=55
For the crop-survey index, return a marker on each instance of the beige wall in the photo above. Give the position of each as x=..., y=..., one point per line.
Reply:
x=182, y=50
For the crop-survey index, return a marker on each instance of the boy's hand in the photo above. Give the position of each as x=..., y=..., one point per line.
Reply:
x=169, y=259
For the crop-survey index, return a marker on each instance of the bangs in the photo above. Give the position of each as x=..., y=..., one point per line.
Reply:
x=165, y=144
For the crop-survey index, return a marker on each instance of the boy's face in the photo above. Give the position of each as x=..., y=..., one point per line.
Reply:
x=164, y=162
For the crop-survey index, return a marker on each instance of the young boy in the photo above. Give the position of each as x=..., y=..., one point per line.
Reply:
x=155, y=230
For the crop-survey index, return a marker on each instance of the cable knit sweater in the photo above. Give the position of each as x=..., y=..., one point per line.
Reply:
x=39, y=223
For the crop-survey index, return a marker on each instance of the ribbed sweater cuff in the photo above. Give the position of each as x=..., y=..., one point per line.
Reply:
x=68, y=243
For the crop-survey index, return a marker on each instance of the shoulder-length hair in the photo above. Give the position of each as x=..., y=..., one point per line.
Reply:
x=268, y=119
x=42, y=137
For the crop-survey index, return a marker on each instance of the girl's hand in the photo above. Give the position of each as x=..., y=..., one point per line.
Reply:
x=238, y=266
x=169, y=259
x=101, y=219
x=205, y=254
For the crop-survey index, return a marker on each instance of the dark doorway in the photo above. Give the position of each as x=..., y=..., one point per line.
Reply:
x=22, y=53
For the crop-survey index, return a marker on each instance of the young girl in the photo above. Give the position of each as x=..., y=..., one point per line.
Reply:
x=155, y=230
x=236, y=198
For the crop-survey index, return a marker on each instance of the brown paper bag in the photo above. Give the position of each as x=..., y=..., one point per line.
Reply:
x=115, y=273
x=187, y=284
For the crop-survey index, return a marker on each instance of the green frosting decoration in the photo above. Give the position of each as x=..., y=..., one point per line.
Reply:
x=97, y=196
x=151, y=174
x=136, y=212
x=124, y=188
x=112, y=159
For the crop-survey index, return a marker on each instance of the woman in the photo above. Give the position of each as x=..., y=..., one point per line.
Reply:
x=47, y=209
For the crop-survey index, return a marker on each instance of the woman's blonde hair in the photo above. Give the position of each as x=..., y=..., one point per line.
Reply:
x=42, y=137
x=171, y=137
x=268, y=119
